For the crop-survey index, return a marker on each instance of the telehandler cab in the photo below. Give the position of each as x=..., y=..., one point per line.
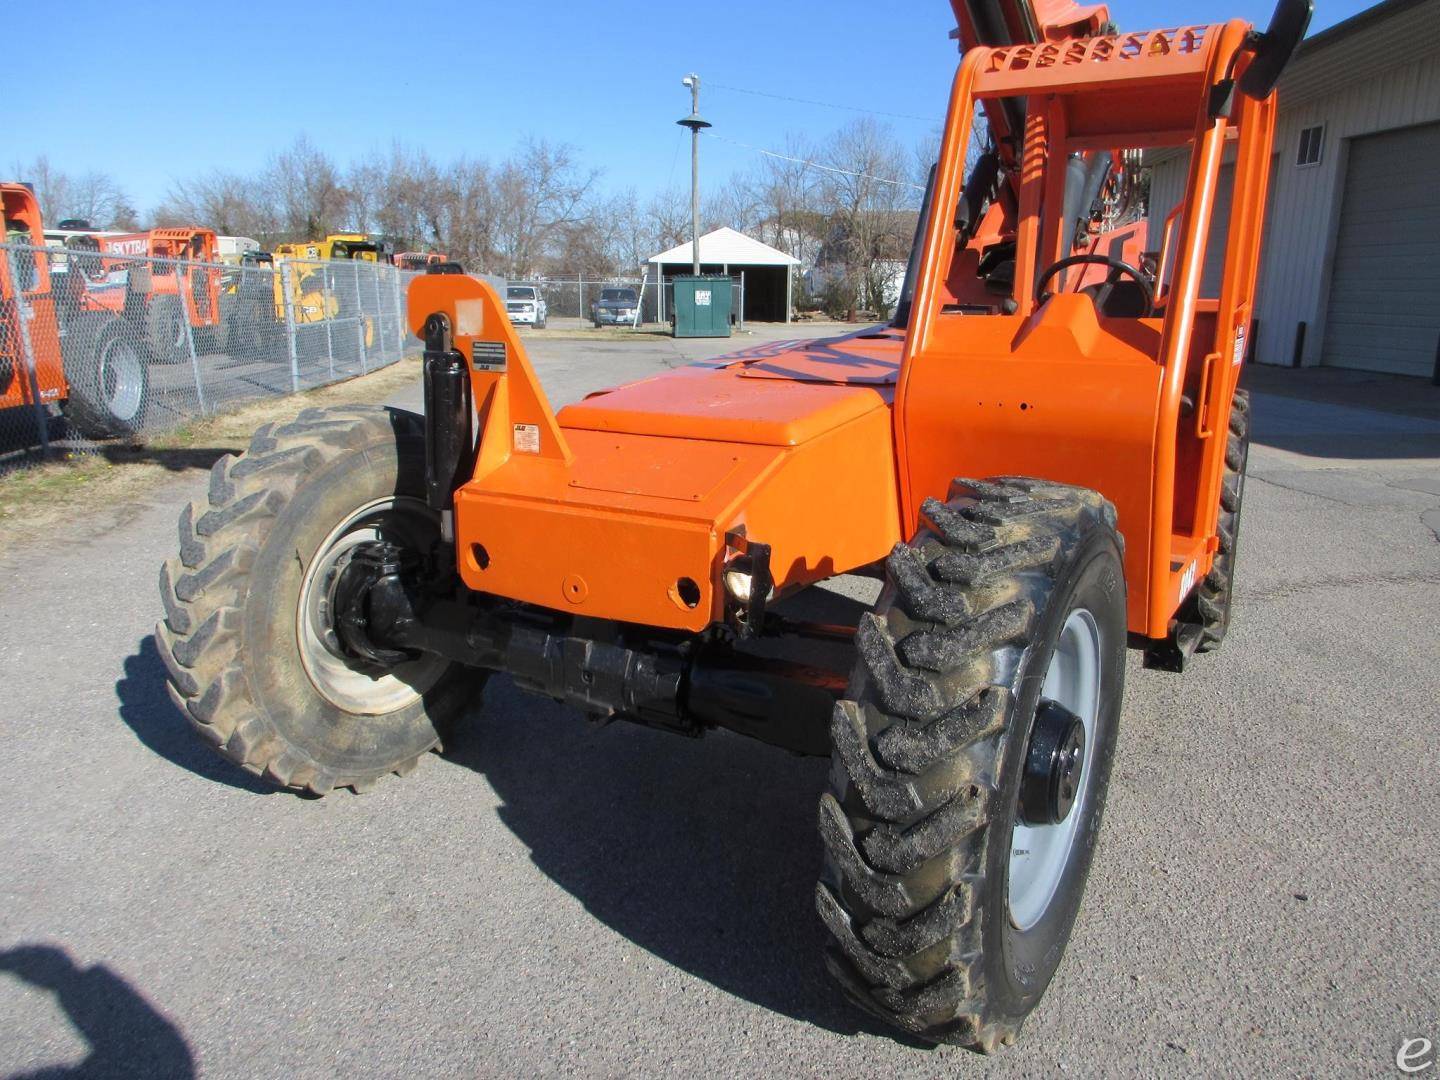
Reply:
x=356, y=574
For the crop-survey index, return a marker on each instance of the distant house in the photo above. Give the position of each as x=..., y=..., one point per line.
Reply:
x=878, y=271
x=889, y=273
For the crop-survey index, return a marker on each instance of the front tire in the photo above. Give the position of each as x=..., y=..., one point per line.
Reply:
x=247, y=598
x=108, y=377
x=948, y=890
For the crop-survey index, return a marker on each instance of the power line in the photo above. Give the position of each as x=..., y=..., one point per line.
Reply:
x=824, y=104
x=815, y=164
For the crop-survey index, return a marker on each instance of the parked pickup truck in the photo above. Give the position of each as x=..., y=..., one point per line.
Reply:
x=526, y=306
x=615, y=306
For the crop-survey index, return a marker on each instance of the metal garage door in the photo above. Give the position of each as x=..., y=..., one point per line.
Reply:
x=1384, y=310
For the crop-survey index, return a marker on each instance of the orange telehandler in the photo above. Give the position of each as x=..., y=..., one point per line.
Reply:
x=133, y=275
x=354, y=576
x=80, y=356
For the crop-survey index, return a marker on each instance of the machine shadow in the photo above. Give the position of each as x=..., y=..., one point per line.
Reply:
x=703, y=853
x=126, y=1034
x=147, y=710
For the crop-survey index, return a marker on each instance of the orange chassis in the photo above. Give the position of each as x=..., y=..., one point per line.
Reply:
x=619, y=507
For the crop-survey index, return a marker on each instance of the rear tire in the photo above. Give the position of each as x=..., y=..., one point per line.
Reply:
x=946, y=918
x=165, y=329
x=247, y=656
x=108, y=375
x=1210, y=604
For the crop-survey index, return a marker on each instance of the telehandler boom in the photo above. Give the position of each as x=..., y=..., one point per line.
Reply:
x=356, y=575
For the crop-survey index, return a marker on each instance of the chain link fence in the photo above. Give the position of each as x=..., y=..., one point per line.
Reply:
x=97, y=347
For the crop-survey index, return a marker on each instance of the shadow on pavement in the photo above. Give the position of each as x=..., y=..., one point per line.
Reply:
x=127, y=1036
x=704, y=853
x=147, y=709
x=175, y=459
x=1349, y=415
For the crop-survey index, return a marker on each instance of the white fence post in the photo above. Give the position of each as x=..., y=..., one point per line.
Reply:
x=286, y=277
x=399, y=315
x=326, y=294
x=23, y=314
x=380, y=336
x=360, y=316
x=182, y=291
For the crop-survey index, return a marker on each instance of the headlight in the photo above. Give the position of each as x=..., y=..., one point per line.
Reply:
x=740, y=580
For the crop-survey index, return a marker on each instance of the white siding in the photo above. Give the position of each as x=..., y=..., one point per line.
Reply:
x=1381, y=77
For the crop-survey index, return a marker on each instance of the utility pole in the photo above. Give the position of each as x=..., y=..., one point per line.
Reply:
x=694, y=123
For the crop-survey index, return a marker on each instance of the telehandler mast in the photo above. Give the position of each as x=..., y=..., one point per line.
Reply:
x=355, y=576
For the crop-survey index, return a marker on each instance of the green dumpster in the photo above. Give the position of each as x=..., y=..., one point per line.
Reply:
x=702, y=306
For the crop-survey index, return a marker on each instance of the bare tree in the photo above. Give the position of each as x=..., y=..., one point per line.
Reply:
x=304, y=186
x=91, y=196
x=539, y=193
x=669, y=214
x=867, y=194
x=230, y=204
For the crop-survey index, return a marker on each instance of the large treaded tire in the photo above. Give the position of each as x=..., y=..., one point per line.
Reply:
x=108, y=377
x=165, y=329
x=1210, y=604
x=930, y=743
x=232, y=596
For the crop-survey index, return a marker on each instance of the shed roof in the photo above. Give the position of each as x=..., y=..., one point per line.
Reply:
x=727, y=247
x=1361, y=47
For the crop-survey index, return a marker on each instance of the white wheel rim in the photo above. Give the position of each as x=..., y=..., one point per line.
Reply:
x=344, y=682
x=1040, y=853
x=122, y=379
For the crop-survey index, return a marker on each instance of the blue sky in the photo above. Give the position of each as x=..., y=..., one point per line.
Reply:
x=225, y=85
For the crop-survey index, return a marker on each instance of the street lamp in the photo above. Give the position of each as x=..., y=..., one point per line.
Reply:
x=694, y=123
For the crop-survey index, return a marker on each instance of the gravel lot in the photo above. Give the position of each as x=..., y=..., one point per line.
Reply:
x=552, y=897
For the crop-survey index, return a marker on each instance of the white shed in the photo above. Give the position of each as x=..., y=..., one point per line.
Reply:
x=766, y=271
x=1350, y=274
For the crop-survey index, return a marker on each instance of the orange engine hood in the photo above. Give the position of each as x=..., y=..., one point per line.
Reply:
x=781, y=394
x=792, y=443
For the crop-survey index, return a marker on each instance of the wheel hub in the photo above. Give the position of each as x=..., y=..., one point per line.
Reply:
x=1056, y=775
x=356, y=683
x=1053, y=765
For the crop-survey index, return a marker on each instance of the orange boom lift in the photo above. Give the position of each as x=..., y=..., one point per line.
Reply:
x=1042, y=457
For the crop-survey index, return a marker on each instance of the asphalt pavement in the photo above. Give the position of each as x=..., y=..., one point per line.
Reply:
x=554, y=897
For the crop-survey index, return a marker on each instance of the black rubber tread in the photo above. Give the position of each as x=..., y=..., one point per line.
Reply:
x=163, y=316
x=918, y=741
x=85, y=404
x=205, y=587
x=1209, y=605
